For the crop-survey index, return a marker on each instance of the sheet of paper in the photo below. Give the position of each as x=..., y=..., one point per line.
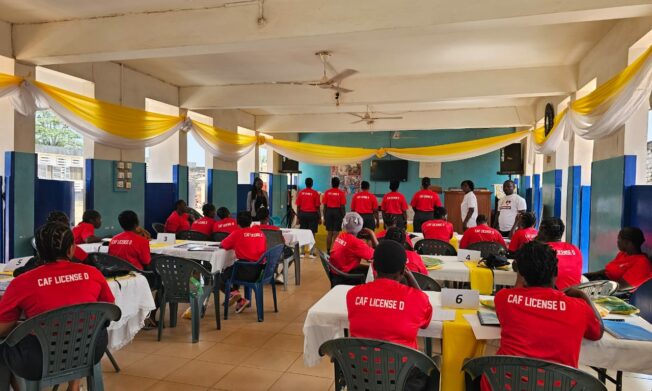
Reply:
x=440, y=314
x=482, y=332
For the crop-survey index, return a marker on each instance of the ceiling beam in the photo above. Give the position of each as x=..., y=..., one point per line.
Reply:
x=497, y=117
x=289, y=22
x=510, y=83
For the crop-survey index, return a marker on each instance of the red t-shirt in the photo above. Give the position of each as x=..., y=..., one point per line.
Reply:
x=522, y=236
x=569, y=265
x=382, y=234
x=425, y=200
x=227, y=225
x=249, y=243
x=348, y=251
x=437, y=229
x=635, y=268
x=177, y=223
x=415, y=263
x=544, y=323
x=394, y=203
x=205, y=225
x=364, y=202
x=131, y=247
x=371, y=305
x=481, y=233
x=80, y=254
x=51, y=286
x=83, y=231
x=334, y=198
x=308, y=201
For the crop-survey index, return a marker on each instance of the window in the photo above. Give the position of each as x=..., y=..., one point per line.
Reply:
x=196, y=174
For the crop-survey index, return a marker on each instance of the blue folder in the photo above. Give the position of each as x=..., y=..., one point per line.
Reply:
x=624, y=330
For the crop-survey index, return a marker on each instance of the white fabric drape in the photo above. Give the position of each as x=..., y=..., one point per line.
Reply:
x=224, y=145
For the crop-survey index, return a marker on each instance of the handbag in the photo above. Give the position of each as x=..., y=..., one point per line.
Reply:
x=494, y=261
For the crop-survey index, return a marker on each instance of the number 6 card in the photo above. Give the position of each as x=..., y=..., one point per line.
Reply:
x=460, y=298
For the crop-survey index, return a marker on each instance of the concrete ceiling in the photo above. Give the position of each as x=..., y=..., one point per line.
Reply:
x=440, y=64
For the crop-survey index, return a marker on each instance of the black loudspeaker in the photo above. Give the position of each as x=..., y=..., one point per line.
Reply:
x=289, y=166
x=511, y=162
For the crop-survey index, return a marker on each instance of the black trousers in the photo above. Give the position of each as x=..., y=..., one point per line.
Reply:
x=333, y=219
x=249, y=273
x=401, y=223
x=309, y=220
x=421, y=217
x=368, y=221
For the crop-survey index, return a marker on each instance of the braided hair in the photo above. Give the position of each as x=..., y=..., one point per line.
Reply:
x=398, y=235
x=537, y=263
x=528, y=219
x=551, y=229
x=57, y=216
x=53, y=241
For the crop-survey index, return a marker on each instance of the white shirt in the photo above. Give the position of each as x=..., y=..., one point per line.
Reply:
x=508, y=207
x=468, y=202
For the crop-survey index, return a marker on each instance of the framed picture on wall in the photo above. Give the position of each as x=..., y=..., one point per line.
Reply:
x=122, y=176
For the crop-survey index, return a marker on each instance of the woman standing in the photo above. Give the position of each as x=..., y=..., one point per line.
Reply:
x=256, y=198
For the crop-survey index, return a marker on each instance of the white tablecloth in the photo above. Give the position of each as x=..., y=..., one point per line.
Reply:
x=454, y=270
x=328, y=317
x=93, y=247
x=135, y=300
x=219, y=258
x=303, y=236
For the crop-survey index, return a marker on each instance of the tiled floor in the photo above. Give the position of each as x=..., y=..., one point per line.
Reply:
x=245, y=354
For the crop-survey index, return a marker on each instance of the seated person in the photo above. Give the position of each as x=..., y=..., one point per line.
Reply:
x=369, y=320
x=179, y=220
x=225, y=223
x=264, y=219
x=84, y=232
x=129, y=245
x=348, y=250
x=394, y=221
x=414, y=262
x=438, y=228
x=28, y=295
x=481, y=233
x=570, y=257
x=526, y=231
x=58, y=216
x=206, y=224
x=249, y=244
x=539, y=321
x=631, y=267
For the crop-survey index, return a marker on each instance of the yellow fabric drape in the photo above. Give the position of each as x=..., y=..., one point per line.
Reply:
x=611, y=88
x=540, y=133
x=125, y=122
x=458, y=343
x=216, y=135
x=320, y=154
x=9, y=80
x=480, y=278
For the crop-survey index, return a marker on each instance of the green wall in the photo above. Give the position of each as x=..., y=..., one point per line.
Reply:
x=180, y=179
x=20, y=174
x=101, y=196
x=223, y=188
x=551, y=193
x=280, y=195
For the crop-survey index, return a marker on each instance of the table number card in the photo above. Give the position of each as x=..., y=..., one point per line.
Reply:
x=460, y=298
x=468, y=255
x=166, y=238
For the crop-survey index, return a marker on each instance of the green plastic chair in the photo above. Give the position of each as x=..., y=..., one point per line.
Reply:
x=488, y=248
x=434, y=247
x=426, y=283
x=67, y=337
x=370, y=364
x=175, y=276
x=528, y=374
x=338, y=277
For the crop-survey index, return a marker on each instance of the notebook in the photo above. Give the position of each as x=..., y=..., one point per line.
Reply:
x=488, y=318
x=624, y=330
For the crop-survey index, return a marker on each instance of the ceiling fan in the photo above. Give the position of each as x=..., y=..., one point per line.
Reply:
x=370, y=118
x=332, y=83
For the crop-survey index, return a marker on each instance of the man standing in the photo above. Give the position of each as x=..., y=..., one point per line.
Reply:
x=308, y=209
x=424, y=203
x=366, y=205
x=508, y=210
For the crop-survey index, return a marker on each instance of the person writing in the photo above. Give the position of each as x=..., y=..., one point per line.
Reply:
x=508, y=210
x=308, y=204
x=249, y=244
x=84, y=232
x=424, y=203
x=569, y=267
x=469, y=205
x=366, y=205
x=481, y=233
x=631, y=267
x=539, y=321
x=179, y=220
x=206, y=224
x=394, y=205
x=438, y=228
x=526, y=232
x=348, y=250
x=334, y=201
x=369, y=320
x=27, y=295
x=256, y=198
x=129, y=245
x=226, y=223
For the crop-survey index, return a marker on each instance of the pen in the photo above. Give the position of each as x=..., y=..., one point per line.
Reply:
x=615, y=319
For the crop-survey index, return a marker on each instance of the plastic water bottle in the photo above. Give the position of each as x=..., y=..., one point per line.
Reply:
x=196, y=288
